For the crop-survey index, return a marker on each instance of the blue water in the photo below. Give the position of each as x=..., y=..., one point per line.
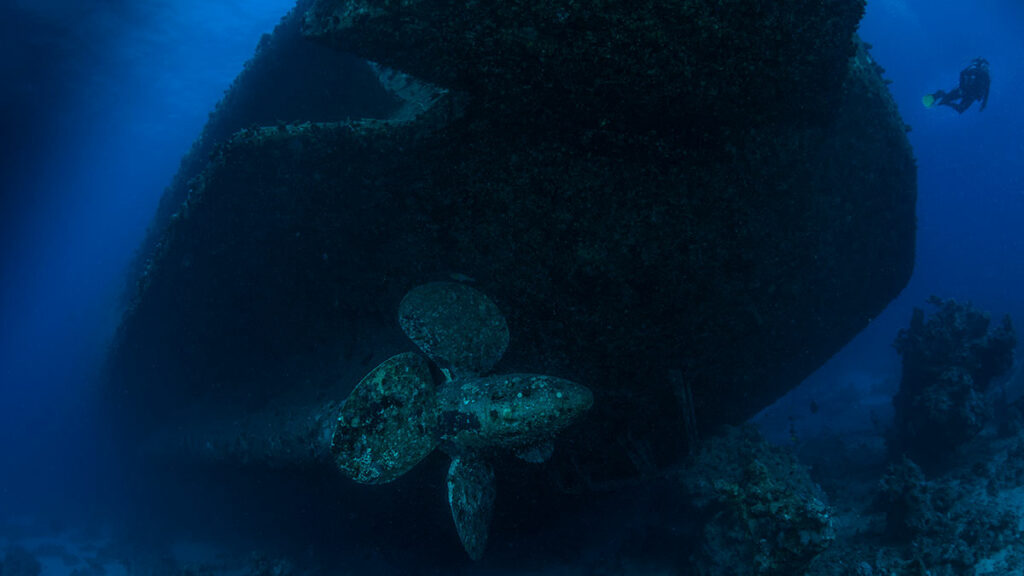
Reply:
x=100, y=100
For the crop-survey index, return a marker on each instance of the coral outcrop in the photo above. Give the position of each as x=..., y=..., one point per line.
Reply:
x=949, y=362
x=761, y=515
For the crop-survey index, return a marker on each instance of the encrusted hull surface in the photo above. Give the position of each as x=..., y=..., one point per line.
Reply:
x=716, y=240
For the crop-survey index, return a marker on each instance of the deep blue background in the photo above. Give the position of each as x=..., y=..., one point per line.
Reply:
x=99, y=102
x=101, y=99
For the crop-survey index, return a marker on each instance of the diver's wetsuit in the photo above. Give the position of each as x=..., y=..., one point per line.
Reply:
x=974, y=83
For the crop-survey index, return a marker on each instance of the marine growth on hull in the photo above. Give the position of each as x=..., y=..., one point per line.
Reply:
x=397, y=414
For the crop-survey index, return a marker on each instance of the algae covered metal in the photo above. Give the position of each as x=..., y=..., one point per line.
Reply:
x=383, y=427
x=457, y=327
x=394, y=418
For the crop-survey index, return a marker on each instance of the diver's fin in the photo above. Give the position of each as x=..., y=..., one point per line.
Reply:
x=928, y=100
x=388, y=423
x=457, y=326
x=537, y=453
x=471, y=498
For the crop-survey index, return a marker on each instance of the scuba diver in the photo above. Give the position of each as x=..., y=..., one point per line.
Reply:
x=974, y=83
